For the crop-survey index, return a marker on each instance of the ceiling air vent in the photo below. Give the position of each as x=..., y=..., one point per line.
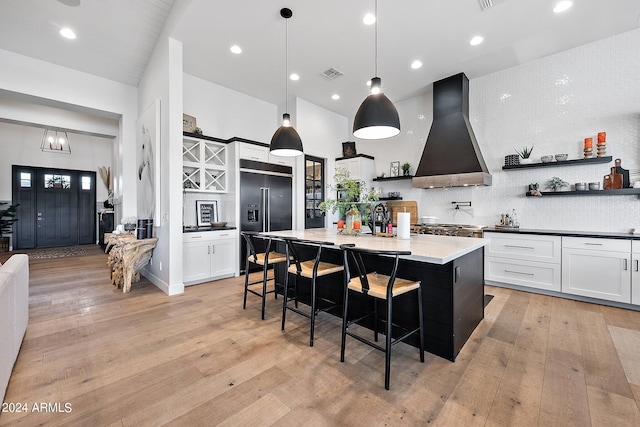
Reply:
x=332, y=74
x=486, y=4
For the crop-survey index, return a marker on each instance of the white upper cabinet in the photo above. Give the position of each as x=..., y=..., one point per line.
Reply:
x=204, y=165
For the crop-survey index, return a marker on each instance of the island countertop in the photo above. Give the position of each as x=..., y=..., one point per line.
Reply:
x=424, y=247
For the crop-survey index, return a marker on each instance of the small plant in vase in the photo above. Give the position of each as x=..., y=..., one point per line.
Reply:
x=525, y=155
x=405, y=169
x=353, y=204
x=557, y=184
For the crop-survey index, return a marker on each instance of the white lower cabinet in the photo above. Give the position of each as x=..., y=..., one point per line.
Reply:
x=209, y=255
x=597, y=268
x=635, y=272
x=523, y=260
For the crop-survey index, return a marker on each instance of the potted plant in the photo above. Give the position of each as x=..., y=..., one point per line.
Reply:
x=405, y=169
x=105, y=174
x=557, y=184
x=525, y=155
x=354, y=196
x=7, y=218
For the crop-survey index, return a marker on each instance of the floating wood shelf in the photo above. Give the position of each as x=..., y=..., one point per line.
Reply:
x=393, y=178
x=574, y=162
x=620, y=192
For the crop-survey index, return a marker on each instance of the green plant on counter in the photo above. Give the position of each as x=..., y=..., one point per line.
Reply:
x=353, y=191
x=525, y=153
x=406, y=166
x=555, y=183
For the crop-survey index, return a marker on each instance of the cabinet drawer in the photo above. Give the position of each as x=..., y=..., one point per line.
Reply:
x=254, y=152
x=222, y=234
x=635, y=246
x=616, y=245
x=195, y=237
x=526, y=247
x=540, y=275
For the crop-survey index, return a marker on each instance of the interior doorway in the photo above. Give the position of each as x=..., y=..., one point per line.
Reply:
x=57, y=207
x=314, y=192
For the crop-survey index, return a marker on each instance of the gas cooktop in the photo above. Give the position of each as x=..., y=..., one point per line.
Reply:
x=459, y=230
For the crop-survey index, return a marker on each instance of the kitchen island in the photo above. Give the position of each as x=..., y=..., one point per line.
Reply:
x=451, y=272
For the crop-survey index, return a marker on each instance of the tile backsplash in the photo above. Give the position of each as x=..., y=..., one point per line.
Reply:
x=553, y=104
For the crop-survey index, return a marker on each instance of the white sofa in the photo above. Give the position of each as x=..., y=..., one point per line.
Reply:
x=14, y=313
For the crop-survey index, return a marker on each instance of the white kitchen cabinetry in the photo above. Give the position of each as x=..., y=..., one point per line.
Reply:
x=204, y=165
x=635, y=272
x=260, y=153
x=523, y=260
x=209, y=255
x=359, y=168
x=255, y=152
x=597, y=268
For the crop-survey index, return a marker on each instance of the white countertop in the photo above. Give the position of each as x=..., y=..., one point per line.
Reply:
x=423, y=247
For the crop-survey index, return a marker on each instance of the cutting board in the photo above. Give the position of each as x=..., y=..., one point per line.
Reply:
x=411, y=206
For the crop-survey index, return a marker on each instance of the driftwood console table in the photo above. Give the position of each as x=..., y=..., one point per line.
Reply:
x=127, y=256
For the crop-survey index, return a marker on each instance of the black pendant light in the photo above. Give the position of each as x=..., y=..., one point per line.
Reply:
x=377, y=117
x=286, y=142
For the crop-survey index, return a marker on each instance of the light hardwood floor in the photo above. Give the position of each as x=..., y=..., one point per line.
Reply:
x=198, y=359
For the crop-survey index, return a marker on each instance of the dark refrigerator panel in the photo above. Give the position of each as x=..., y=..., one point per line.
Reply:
x=265, y=205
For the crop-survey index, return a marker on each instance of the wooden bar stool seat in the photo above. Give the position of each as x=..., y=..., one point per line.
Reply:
x=382, y=287
x=310, y=269
x=263, y=259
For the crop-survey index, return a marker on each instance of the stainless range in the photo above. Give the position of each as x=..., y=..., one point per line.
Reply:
x=459, y=230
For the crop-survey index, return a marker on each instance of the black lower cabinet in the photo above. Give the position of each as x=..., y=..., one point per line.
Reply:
x=452, y=295
x=105, y=226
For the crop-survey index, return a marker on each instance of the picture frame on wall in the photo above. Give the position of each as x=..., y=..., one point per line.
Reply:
x=148, y=163
x=395, y=169
x=349, y=149
x=188, y=123
x=207, y=212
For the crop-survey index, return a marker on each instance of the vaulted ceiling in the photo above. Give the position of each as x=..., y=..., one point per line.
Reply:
x=115, y=39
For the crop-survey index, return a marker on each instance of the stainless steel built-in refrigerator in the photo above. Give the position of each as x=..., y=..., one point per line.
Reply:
x=265, y=199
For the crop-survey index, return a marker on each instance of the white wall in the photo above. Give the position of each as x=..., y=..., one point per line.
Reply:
x=65, y=88
x=553, y=103
x=322, y=133
x=20, y=145
x=225, y=113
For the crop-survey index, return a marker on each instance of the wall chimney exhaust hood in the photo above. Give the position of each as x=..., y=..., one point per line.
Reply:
x=451, y=155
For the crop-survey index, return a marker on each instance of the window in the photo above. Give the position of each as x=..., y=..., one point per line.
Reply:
x=86, y=182
x=25, y=179
x=57, y=181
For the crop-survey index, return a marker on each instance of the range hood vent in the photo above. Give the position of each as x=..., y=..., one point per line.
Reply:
x=451, y=155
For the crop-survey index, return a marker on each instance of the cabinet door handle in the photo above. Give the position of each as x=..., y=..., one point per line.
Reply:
x=637, y=262
x=624, y=264
x=521, y=247
x=196, y=237
x=208, y=249
x=213, y=249
x=519, y=272
x=224, y=235
x=593, y=244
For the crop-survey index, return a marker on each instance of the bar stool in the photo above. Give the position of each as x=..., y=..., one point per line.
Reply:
x=379, y=287
x=310, y=269
x=263, y=259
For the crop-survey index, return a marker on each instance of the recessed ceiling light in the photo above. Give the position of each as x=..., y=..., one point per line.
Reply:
x=335, y=96
x=294, y=76
x=67, y=33
x=369, y=19
x=235, y=49
x=416, y=64
x=562, y=6
x=476, y=40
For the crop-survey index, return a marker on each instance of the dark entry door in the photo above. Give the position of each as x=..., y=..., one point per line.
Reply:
x=57, y=207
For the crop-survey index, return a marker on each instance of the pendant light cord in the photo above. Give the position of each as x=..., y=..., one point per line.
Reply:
x=375, y=12
x=286, y=64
